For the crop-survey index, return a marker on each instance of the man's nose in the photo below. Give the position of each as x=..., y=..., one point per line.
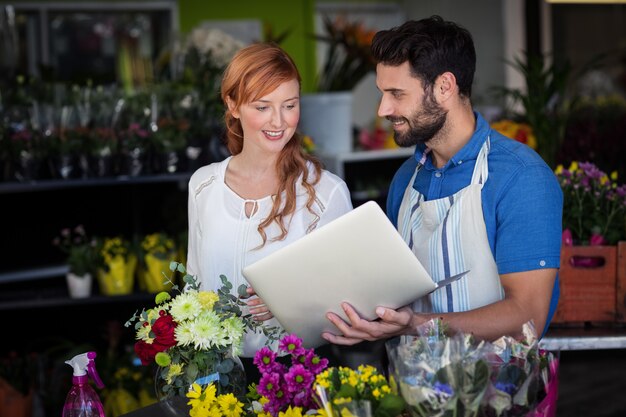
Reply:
x=384, y=109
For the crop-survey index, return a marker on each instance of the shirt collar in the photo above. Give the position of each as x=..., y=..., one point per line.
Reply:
x=468, y=152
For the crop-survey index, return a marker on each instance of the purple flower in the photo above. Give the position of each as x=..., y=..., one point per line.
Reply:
x=442, y=388
x=298, y=378
x=265, y=359
x=507, y=387
x=269, y=385
x=314, y=362
x=291, y=344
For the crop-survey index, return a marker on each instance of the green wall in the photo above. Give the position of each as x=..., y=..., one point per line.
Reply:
x=281, y=15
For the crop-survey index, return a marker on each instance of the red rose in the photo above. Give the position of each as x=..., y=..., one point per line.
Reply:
x=163, y=329
x=146, y=351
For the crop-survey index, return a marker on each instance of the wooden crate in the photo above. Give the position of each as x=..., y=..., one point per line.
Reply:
x=588, y=294
x=621, y=283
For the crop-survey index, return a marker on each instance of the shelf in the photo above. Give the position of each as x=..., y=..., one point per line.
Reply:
x=50, y=271
x=45, y=185
x=336, y=163
x=65, y=301
x=371, y=155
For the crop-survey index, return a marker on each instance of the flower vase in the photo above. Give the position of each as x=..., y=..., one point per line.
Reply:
x=28, y=167
x=120, y=276
x=227, y=373
x=151, y=277
x=327, y=119
x=135, y=162
x=79, y=286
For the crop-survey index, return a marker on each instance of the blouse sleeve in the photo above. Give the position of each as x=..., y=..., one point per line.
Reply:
x=193, y=230
x=337, y=204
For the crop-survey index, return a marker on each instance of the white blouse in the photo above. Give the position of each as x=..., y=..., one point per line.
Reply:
x=222, y=239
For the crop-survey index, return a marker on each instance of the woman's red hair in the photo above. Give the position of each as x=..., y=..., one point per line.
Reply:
x=254, y=72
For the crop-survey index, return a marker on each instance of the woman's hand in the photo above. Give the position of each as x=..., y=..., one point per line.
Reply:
x=257, y=306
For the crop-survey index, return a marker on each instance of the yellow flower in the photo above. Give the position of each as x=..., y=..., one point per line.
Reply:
x=173, y=371
x=342, y=400
x=291, y=412
x=208, y=299
x=573, y=166
x=230, y=405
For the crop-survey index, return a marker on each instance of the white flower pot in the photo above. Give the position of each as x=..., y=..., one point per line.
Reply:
x=327, y=119
x=79, y=286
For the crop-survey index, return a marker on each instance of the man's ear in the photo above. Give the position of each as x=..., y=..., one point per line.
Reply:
x=445, y=86
x=231, y=107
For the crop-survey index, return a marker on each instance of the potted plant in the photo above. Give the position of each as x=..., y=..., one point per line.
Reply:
x=117, y=266
x=594, y=222
x=158, y=250
x=326, y=114
x=82, y=259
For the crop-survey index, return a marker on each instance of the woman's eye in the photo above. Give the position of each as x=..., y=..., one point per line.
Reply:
x=261, y=108
x=290, y=106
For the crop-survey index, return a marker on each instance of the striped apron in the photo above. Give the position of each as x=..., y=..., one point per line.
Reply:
x=449, y=236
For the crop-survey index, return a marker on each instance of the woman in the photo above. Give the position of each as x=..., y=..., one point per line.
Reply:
x=269, y=193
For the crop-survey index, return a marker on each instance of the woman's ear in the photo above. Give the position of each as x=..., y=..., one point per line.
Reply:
x=231, y=107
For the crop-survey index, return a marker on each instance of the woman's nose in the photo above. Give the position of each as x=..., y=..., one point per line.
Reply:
x=277, y=118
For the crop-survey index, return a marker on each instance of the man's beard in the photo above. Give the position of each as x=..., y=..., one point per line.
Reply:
x=423, y=125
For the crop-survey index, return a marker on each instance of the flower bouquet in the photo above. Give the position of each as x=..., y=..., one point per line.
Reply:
x=348, y=57
x=283, y=387
x=116, y=274
x=594, y=205
x=157, y=249
x=194, y=337
x=363, y=391
x=441, y=375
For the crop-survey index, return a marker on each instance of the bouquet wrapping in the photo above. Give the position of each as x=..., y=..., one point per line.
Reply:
x=455, y=375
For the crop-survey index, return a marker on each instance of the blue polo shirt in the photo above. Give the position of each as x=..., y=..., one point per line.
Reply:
x=522, y=200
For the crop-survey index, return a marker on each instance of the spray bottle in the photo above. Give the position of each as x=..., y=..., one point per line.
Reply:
x=82, y=400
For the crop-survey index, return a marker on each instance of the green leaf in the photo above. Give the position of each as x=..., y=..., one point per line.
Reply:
x=242, y=290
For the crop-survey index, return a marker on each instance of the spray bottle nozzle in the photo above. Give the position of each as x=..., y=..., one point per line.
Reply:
x=85, y=363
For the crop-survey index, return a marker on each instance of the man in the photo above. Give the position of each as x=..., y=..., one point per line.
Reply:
x=469, y=199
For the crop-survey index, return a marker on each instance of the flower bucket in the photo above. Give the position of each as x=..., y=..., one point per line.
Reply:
x=120, y=277
x=13, y=403
x=588, y=279
x=78, y=286
x=151, y=276
x=327, y=119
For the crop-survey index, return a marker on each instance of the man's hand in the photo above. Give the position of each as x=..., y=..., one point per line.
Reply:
x=389, y=324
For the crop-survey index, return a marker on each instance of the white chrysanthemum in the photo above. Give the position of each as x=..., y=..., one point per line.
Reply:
x=185, y=307
x=184, y=333
x=234, y=328
x=143, y=333
x=207, y=331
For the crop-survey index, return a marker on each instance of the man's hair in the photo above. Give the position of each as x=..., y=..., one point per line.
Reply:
x=432, y=46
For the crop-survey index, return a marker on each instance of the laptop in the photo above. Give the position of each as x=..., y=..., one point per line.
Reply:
x=359, y=258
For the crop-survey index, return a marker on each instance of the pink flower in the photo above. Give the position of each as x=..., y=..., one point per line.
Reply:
x=314, y=362
x=265, y=360
x=291, y=344
x=567, y=238
x=298, y=378
x=269, y=385
x=597, y=239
